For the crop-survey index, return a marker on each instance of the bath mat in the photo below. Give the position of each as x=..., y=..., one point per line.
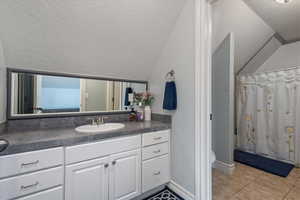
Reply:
x=165, y=194
x=266, y=164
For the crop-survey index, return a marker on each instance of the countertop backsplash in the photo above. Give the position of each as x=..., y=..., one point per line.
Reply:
x=69, y=122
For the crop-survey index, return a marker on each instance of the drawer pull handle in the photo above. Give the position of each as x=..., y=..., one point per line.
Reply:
x=156, y=173
x=157, y=151
x=106, y=165
x=31, y=163
x=114, y=162
x=157, y=138
x=29, y=186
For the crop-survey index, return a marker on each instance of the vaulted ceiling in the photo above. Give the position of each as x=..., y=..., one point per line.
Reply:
x=250, y=31
x=283, y=18
x=105, y=37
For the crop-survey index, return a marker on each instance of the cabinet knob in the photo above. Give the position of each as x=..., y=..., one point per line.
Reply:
x=156, y=173
x=114, y=162
x=106, y=165
x=157, y=151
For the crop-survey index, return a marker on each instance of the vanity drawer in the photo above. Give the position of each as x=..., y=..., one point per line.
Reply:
x=30, y=183
x=155, y=137
x=155, y=150
x=155, y=172
x=89, y=151
x=51, y=194
x=31, y=161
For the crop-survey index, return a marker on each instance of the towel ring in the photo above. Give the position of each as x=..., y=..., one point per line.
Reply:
x=170, y=76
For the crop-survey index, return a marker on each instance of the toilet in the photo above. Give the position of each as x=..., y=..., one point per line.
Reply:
x=213, y=157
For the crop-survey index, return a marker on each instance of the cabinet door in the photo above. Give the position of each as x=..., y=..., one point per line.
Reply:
x=87, y=180
x=125, y=175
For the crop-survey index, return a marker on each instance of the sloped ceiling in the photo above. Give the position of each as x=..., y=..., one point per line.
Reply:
x=117, y=38
x=283, y=18
x=250, y=31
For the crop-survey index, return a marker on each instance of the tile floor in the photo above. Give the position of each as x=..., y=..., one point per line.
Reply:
x=247, y=183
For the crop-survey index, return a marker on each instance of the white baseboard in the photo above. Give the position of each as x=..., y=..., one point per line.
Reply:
x=224, y=167
x=2, y=122
x=185, y=194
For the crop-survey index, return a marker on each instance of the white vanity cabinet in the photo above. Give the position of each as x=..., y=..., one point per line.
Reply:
x=36, y=175
x=125, y=175
x=156, y=159
x=112, y=169
x=87, y=180
x=114, y=173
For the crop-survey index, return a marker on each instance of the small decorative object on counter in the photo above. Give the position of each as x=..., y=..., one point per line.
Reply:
x=140, y=115
x=132, y=115
x=144, y=100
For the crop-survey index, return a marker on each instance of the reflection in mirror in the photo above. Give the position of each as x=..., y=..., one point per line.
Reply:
x=44, y=94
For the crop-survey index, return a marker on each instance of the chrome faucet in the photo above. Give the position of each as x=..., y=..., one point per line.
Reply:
x=98, y=120
x=92, y=121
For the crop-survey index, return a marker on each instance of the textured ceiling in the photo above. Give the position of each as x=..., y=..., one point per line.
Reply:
x=283, y=18
x=106, y=37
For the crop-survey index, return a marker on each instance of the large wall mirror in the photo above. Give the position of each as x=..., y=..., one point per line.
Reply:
x=33, y=94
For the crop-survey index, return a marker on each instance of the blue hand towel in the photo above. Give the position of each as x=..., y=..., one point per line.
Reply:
x=127, y=92
x=170, y=97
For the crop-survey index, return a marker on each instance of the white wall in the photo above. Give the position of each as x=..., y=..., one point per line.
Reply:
x=178, y=54
x=2, y=86
x=250, y=31
x=118, y=39
x=285, y=57
x=108, y=38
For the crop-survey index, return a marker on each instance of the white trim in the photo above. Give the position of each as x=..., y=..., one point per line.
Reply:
x=224, y=167
x=181, y=191
x=203, y=185
x=83, y=95
x=2, y=122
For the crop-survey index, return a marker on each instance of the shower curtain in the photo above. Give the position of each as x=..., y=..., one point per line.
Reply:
x=268, y=114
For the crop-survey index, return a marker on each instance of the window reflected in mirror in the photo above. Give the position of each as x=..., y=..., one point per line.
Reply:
x=45, y=94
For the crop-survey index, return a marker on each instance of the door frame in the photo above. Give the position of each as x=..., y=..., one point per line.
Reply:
x=203, y=146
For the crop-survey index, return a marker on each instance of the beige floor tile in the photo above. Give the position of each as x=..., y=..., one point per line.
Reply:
x=294, y=194
x=234, y=198
x=276, y=183
x=226, y=186
x=295, y=173
x=246, y=173
x=247, y=183
x=258, y=192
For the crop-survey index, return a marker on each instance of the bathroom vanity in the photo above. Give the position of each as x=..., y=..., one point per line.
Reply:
x=64, y=164
x=78, y=145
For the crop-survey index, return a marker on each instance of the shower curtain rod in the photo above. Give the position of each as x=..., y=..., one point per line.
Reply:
x=279, y=70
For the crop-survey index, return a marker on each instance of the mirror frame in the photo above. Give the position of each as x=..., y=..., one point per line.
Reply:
x=66, y=114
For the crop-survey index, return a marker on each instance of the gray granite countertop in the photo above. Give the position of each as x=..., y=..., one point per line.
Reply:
x=30, y=140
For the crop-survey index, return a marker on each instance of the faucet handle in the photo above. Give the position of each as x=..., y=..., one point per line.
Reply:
x=99, y=120
x=92, y=121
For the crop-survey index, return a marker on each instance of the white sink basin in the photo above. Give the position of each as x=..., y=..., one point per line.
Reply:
x=99, y=128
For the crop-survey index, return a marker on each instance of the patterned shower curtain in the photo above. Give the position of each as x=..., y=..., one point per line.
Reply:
x=268, y=114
